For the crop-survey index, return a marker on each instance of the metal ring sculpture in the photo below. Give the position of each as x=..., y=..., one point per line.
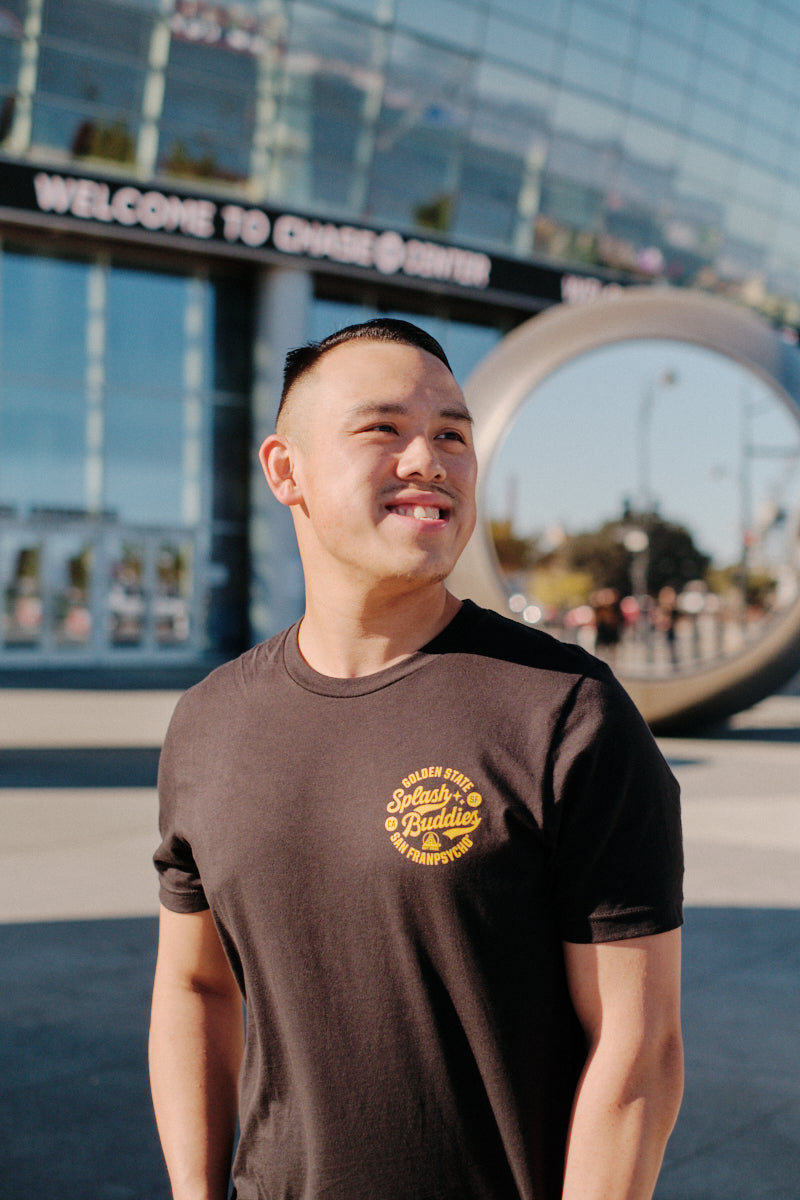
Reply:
x=501, y=384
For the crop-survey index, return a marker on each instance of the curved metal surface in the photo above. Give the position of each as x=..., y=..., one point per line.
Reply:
x=503, y=381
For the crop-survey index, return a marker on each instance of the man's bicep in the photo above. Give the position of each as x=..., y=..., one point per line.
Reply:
x=190, y=953
x=630, y=988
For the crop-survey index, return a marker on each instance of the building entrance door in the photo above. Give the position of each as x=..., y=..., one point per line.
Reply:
x=94, y=591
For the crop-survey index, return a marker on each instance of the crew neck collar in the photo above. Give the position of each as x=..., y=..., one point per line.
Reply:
x=329, y=685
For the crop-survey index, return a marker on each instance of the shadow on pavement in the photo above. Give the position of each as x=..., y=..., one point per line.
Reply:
x=738, y=1135
x=75, y=1115
x=70, y=767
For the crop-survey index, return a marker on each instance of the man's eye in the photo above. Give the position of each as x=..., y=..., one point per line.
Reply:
x=451, y=435
x=383, y=427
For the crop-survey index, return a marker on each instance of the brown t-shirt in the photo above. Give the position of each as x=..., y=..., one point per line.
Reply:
x=392, y=863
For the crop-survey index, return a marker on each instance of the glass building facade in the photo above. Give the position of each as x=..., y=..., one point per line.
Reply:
x=188, y=188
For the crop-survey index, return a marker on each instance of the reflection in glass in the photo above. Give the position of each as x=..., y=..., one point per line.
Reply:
x=646, y=504
x=173, y=592
x=21, y=572
x=72, y=560
x=42, y=434
x=126, y=594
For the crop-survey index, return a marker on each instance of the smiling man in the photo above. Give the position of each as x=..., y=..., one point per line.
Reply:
x=435, y=853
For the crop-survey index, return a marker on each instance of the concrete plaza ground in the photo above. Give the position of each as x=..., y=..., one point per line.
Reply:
x=77, y=942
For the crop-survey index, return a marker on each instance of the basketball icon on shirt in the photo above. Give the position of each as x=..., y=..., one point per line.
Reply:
x=433, y=815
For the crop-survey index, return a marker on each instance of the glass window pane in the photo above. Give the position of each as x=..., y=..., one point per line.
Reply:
x=43, y=434
x=552, y=14
x=445, y=20
x=43, y=316
x=600, y=30
x=727, y=43
x=781, y=29
x=592, y=73
x=769, y=108
x=489, y=193
x=145, y=341
x=716, y=124
x=656, y=99
x=93, y=80
x=666, y=57
x=21, y=581
x=83, y=133
x=530, y=48
x=93, y=23
x=144, y=453
x=775, y=68
x=678, y=17
x=720, y=83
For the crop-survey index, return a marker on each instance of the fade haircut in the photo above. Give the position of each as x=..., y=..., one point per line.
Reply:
x=382, y=329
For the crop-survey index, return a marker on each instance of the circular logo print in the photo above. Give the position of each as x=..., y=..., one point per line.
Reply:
x=433, y=815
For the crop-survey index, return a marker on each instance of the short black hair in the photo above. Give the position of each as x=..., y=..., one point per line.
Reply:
x=382, y=329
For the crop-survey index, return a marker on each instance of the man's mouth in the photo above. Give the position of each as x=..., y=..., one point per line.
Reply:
x=420, y=512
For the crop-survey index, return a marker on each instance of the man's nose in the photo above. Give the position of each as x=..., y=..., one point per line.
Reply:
x=419, y=457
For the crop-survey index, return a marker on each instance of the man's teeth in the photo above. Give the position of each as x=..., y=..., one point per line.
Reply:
x=419, y=512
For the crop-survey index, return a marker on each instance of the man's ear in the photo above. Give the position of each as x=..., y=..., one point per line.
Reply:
x=277, y=463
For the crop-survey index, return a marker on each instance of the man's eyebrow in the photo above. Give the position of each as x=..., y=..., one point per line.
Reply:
x=392, y=408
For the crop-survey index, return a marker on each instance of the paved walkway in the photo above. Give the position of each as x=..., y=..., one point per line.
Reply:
x=77, y=939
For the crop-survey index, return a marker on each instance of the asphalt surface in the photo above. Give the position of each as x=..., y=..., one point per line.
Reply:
x=77, y=948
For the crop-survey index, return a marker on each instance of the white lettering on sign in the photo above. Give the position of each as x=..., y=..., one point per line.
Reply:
x=249, y=225
x=90, y=200
x=577, y=289
x=389, y=252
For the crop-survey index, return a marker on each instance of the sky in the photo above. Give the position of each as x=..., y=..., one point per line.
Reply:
x=718, y=449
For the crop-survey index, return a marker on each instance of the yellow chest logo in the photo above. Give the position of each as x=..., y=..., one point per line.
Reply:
x=433, y=815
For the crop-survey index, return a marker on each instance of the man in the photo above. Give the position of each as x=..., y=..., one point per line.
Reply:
x=436, y=853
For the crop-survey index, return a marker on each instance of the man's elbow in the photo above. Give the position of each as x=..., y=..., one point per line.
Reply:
x=659, y=1078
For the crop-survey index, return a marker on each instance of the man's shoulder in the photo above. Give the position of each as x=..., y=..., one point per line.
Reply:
x=237, y=680
x=489, y=634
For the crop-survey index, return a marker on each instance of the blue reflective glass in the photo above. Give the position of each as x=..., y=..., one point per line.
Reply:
x=553, y=14
x=720, y=83
x=716, y=124
x=42, y=436
x=530, y=48
x=727, y=43
x=79, y=130
x=666, y=57
x=93, y=23
x=43, y=316
x=781, y=28
x=144, y=456
x=769, y=108
x=776, y=69
x=9, y=66
x=592, y=73
x=446, y=20
x=90, y=79
x=145, y=340
x=743, y=12
x=336, y=39
x=656, y=99
x=678, y=17
x=600, y=29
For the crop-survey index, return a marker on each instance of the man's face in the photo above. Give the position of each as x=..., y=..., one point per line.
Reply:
x=383, y=457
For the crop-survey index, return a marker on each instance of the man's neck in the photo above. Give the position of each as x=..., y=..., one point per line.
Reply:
x=354, y=640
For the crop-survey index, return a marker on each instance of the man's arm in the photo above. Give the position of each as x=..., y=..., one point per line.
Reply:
x=196, y=1043
x=627, y=997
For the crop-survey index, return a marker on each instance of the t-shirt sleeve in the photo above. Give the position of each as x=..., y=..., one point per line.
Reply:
x=618, y=856
x=180, y=885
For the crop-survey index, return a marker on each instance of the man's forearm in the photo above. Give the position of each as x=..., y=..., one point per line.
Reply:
x=196, y=1040
x=623, y=1115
